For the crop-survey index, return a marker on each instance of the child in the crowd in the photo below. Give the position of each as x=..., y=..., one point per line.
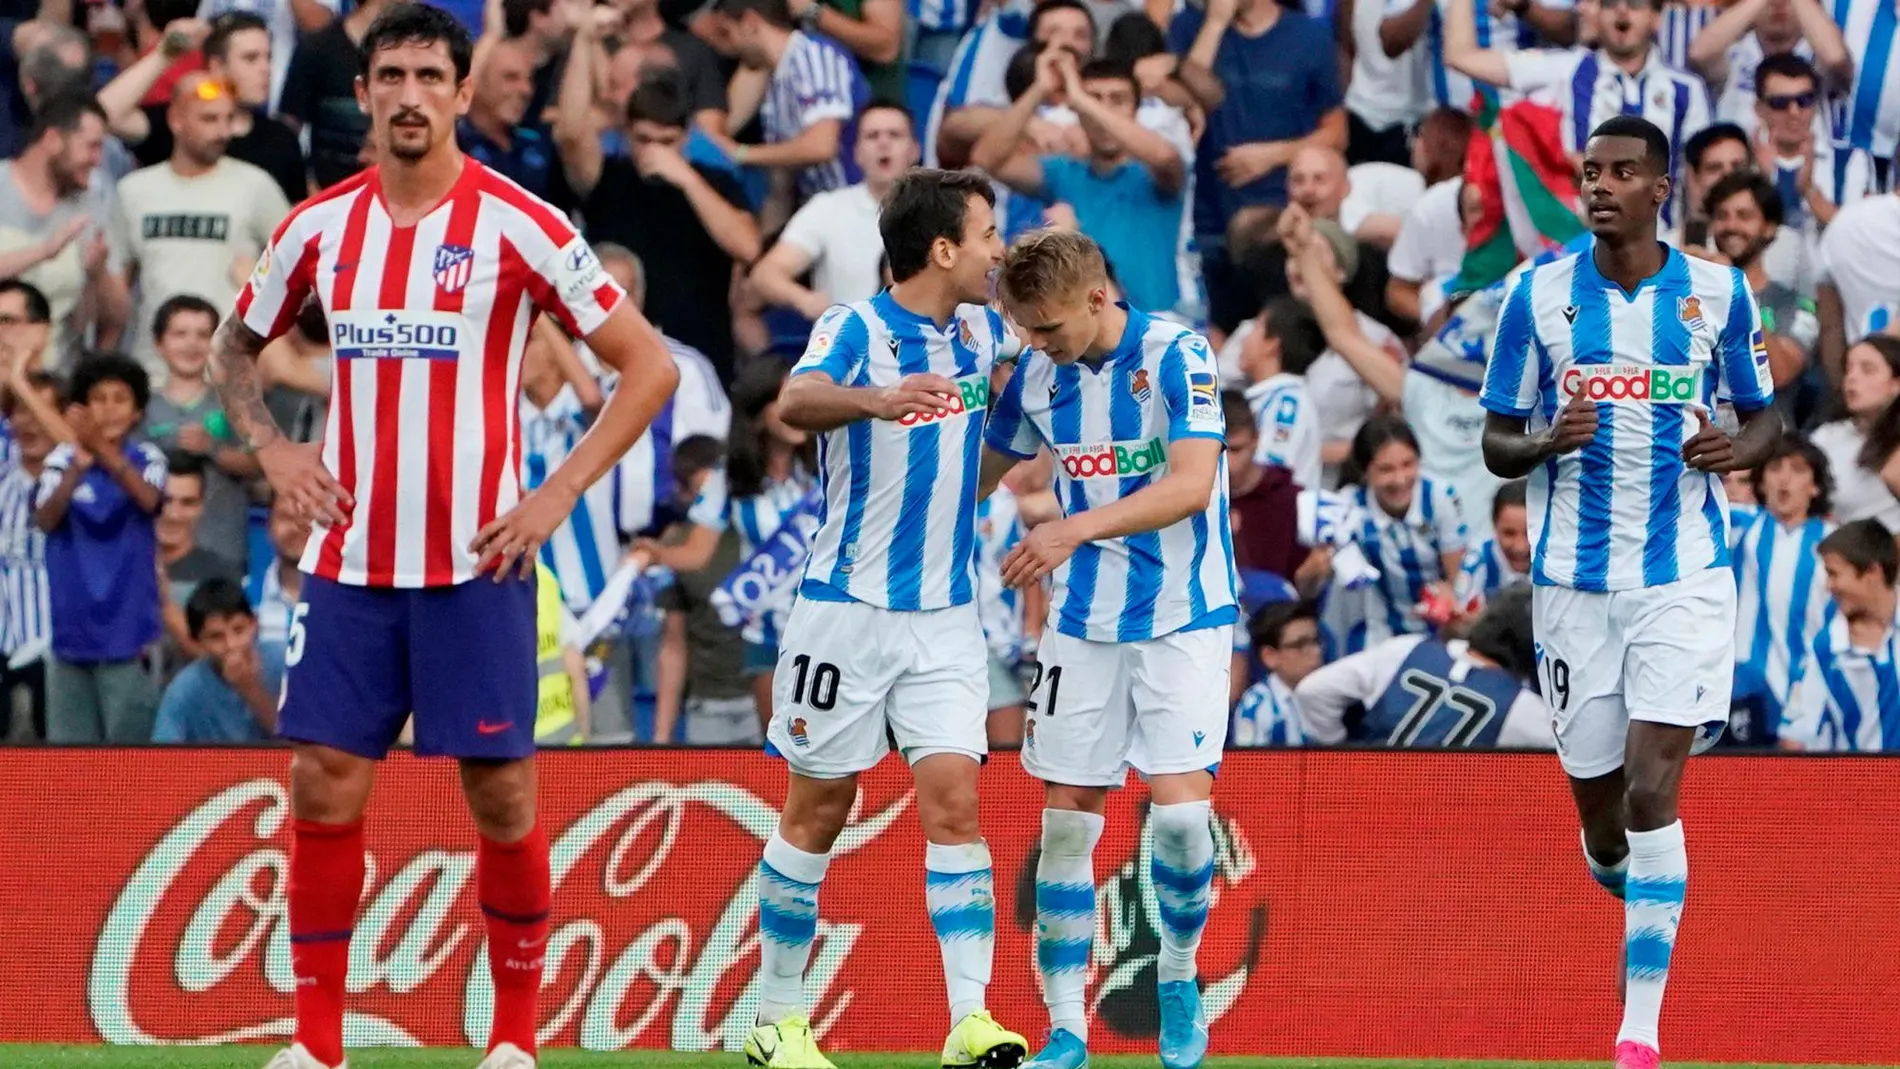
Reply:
x=769, y=477
x=1286, y=640
x=1846, y=694
x=97, y=500
x=698, y=506
x=25, y=617
x=1274, y=357
x=700, y=666
x=1781, y=587
x=185, y=416
x=562, y=713
x=1504, y=559
x=1411, y=529
x=229, y=694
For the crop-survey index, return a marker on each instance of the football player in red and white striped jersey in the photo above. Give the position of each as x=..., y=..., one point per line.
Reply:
x=430, y=269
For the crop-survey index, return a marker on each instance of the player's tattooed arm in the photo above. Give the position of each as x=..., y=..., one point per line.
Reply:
x=234, y=371
x=295, y=471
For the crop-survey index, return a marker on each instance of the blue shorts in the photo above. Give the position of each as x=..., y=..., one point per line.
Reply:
x=461, y=658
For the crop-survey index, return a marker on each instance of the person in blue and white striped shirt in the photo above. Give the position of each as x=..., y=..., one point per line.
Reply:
x=1504, y=29
x=1286, y=640
x=811, y=105
x=1847, y=694
x=1413, y=533
x=1866, y=118
x=1625, y=74
x=769, y=476
x=884, y=641
x=25, y=619
x=1781, y=588
x=1501, y=561
x=1602, y=387
x=1135, y=657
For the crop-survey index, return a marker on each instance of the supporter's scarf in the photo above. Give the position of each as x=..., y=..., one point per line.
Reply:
x=1517, y=161
x=772, y=572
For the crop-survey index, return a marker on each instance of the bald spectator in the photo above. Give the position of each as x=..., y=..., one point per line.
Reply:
x=237, y=52
x=495, y=131
x=196, y=223
x=1369, y=201
x=53, y=214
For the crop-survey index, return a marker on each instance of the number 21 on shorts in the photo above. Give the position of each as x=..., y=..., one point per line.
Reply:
x=1053, y=676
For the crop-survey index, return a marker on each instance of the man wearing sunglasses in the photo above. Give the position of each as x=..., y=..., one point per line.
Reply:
x=1625, y=74
x=1730, y=49
x=1789, y=151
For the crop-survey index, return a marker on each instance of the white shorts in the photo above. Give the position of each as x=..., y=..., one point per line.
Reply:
x=853, y=678
x=1663, y=654
x=1100, y=708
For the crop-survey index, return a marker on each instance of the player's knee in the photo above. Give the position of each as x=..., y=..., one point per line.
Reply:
x=1651, y=798
x=816, y=811
x=947, y=807
x=500, y=798
x=327, y=785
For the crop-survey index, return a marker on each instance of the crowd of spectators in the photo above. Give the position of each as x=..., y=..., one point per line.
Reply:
x=1290, y=179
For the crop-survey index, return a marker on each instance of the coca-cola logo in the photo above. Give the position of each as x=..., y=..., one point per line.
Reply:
x=208, y=900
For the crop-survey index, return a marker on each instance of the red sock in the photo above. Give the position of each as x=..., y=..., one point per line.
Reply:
x=512, y=881
x=326, y=883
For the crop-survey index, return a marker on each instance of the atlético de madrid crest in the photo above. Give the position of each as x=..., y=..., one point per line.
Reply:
x=454, y=266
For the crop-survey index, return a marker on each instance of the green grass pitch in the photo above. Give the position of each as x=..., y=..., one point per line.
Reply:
x=48, y=1057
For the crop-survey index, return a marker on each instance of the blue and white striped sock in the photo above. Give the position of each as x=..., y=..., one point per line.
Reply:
x=1183, y=871
x=1065, y=915
x=960, y=892
x=1611, y=877
x=788, y=920
x=1652, y=910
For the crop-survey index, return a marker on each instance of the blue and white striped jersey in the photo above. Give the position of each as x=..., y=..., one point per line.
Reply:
x=1740, y=519
x=1110, y=426
x=941, y=16
x=1484, y=572
x=585, y=549
x=757, y=518
x=1287, y=425
x=1846, y=698
x=1782, y=597
x=1409, y=553
x=1625, y=512
x=816, y=80
x=977, y=69
x=1589, y=88
x=1267, y=716
x=999, y=526
x=1677, y=27
x=643, y=480
x=899, y=524
x=1867, y=116
x=1501, y=32
x=24, y=621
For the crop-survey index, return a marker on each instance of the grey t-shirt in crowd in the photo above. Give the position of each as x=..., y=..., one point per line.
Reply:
x=62, y=278
x=223, y=528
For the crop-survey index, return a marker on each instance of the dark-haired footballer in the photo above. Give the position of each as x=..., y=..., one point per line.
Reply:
x=1603, y=388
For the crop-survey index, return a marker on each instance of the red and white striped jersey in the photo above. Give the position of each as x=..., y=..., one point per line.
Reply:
x=428, y=324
